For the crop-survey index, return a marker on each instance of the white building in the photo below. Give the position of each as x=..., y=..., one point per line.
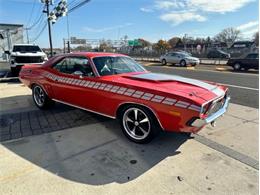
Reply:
x=10, y=34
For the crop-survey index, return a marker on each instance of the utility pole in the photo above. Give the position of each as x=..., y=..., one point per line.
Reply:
x=27, y=35
x=47, y=3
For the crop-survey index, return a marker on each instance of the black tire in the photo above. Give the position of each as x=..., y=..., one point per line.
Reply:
x=143, y=114
x=237, y=66
x=40, y=98
x=15, y=71
x=164, y=62
x=183, y=63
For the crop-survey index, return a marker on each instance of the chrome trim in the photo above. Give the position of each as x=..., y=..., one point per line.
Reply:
x=147, y=108
x=84, y=108
x=213, y=117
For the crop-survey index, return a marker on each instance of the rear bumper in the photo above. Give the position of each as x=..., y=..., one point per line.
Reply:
x=201, y=122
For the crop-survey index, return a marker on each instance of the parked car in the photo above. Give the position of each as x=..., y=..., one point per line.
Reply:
x=180, y=58
x=116, y=86
x=218, y=54
x=25, y=54
x=250, y=61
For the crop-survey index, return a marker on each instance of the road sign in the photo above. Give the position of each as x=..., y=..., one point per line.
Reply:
x=134, y=42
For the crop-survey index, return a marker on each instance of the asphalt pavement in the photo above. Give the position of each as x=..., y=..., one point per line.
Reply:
x=244, y=87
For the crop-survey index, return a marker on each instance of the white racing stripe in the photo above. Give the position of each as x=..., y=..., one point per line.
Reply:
x=241, y=87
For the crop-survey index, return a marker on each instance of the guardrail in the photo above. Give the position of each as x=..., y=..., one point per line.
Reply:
x=202, y=60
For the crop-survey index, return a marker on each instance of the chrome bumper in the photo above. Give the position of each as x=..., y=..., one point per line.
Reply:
x=213, y=117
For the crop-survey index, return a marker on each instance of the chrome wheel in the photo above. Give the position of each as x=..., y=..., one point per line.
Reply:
x=38, y=96
x=136, y=123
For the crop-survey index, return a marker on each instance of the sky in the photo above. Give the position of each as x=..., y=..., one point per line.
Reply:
x=148, y=19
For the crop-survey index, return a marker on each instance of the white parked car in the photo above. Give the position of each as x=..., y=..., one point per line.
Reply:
x=25, y=54
x=181, y=58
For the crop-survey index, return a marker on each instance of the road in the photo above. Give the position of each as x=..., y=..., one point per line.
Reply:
x=243, y=86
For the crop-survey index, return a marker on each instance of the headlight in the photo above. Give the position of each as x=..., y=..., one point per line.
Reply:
x=12, y=59
x=44, y=58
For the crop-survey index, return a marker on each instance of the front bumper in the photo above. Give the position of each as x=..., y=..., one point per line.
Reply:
x=213, y=117
x=193, y=62
x=13, y=65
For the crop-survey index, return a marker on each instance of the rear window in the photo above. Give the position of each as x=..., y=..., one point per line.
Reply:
x=26, y=48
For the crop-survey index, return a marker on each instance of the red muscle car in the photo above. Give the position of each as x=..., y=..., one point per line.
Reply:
x=116, y=86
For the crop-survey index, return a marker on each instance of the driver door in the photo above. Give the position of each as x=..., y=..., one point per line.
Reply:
x=71, y=75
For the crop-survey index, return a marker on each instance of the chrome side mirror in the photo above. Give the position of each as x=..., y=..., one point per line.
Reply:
x=79, y=73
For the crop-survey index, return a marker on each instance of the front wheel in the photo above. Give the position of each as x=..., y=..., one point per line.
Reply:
x=40, y=98
x=138, y=124
x=15, y=71
x=183, y=63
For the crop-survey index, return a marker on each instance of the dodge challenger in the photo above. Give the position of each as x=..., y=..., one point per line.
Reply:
x=116, y=86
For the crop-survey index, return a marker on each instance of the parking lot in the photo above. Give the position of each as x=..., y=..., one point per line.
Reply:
x=67, y=150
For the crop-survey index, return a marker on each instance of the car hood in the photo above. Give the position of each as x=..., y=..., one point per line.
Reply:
x=30, y=54
x=176, y=85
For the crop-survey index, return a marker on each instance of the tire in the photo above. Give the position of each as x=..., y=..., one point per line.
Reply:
x=15, y=71
x=183, y=63
x=237, y=67
x=164, y=62
x=138, y=124
x=40, y=98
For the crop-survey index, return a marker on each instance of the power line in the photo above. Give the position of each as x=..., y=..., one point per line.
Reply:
x=78, y=5
x=29, y=20
x=40, y=32
x=39, y=20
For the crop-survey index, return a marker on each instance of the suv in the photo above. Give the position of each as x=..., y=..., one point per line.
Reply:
x=251, y=60
x=183, y=59
x=25, y=54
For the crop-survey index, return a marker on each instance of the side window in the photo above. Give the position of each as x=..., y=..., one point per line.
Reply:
x=75, y=65
x=252, y=56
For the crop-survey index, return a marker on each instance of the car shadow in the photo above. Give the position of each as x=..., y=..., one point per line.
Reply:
x=96, y=152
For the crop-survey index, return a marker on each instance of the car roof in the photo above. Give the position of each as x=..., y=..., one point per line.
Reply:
x=96, y=54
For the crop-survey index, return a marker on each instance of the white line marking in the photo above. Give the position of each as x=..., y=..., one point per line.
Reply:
x=241, y=87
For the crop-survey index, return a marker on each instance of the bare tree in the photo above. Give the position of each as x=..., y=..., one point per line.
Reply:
x=228, y=36
x=174, y=41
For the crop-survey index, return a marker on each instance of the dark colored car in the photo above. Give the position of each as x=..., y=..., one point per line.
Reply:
x=218, y=54
x=250, y=61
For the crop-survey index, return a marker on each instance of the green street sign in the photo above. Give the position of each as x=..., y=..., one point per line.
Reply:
x=134, y=42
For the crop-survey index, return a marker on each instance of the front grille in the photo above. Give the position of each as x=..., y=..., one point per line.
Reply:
x=216, y=106
x=27, y=59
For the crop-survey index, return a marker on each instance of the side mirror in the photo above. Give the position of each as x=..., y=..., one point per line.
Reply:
x=7, y=52
x=79, y=73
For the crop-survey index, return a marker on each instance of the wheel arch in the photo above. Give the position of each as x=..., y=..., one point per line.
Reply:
x=125, y=104
x=35, y=83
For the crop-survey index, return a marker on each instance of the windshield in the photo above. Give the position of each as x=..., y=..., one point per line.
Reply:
x=26, y=48
x=116, y=65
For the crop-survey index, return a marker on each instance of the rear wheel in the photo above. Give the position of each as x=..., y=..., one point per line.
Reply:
x=237, y=67
x=40, y=98
x=138, y=124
